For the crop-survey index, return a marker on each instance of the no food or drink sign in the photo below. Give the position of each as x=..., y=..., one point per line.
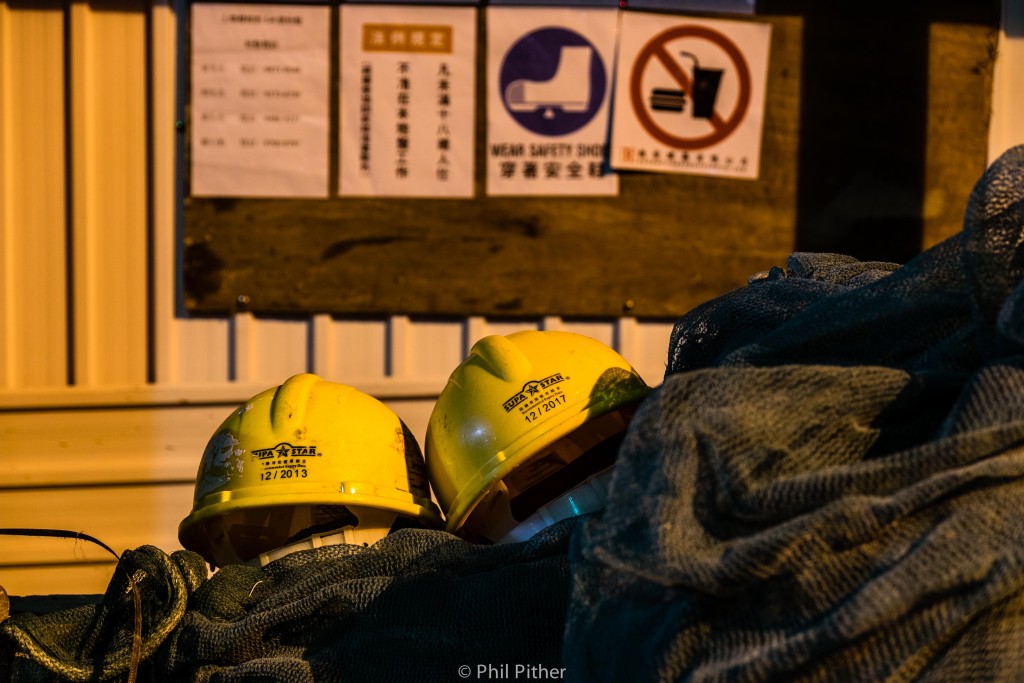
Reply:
x=692, y=95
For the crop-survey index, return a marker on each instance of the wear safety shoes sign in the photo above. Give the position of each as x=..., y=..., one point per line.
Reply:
x=549, y=76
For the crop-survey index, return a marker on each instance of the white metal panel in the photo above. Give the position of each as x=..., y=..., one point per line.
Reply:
x=432, y=349
x=152, y=395
x=356, y=350
x=426, y=350
x=85, y=578
x=96, y=447
x=186, y=350
x=109, y=193
x=415, y=413
x=505, y=327
x=269, y=351
x=397, y=342
x=123, y=517
x=321, y=340
x=645, y=346
x=1006, y=128
x=475, y=328
x=194, y=352
x=167, y=343
x=603, y=331
x=33, y=333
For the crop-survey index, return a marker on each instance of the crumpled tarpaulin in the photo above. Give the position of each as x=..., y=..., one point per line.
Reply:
x=827, y=486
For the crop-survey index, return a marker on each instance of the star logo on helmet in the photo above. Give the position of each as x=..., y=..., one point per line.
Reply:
x=531, y=388
x=286, y=450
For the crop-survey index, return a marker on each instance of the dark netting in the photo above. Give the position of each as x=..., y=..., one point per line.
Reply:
x=415, y=606
x=94, y=642
x=827, y=486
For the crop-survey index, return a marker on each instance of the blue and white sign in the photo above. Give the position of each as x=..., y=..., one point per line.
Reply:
x=549, y=80
x=552, y=81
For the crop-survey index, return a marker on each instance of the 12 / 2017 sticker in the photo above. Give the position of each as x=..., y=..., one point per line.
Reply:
x=535, y=413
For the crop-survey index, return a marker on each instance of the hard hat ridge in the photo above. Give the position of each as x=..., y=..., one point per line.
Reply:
x=290, y=401
x=502, y=358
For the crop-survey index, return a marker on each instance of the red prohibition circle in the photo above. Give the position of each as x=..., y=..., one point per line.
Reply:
x=655, y=49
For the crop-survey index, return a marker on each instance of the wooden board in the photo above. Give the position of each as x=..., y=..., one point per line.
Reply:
x=873, y=173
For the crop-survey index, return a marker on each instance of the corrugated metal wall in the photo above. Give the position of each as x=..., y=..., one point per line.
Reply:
x=106, y=397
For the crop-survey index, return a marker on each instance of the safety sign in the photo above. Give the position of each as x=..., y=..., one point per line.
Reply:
x=690, y=95
x=549, y=74
x=407, y=101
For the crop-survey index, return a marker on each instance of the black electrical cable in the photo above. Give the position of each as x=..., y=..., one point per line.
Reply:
x=133, y=666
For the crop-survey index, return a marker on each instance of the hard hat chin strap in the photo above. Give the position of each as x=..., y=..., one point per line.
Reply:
x=589, y=495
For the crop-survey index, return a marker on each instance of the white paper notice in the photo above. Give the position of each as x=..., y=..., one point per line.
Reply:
x=690, y=95
x=407, y=101
x=549, y=77
x=260, y=97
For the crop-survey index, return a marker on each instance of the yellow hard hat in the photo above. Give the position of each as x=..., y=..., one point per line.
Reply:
x=304, y=464
x=522, y=420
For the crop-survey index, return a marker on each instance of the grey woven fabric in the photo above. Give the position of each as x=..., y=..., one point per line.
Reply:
x=826, y=487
